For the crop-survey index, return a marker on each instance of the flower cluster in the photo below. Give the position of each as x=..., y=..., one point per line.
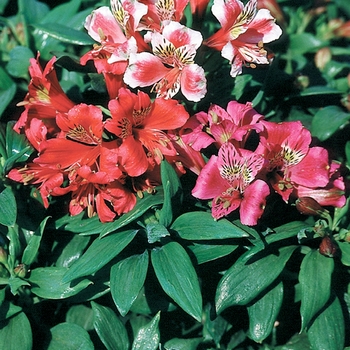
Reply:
x=104, y=156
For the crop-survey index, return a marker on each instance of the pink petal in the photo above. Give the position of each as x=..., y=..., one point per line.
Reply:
x=227, y=12
x=193, y=82
x=253, y=203
x=210, y=184
x=103, y=19
x=144, y=70
x=313, y=170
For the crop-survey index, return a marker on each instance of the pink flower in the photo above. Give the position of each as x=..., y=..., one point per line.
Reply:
x=111, y=57
x=171, y=67
x=230, y=180
x=291, y=161
x=244, y=30
x=220, y=126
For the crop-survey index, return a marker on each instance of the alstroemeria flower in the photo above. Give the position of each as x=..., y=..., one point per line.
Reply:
x=244, y=30
x=111, y=57
x=333, y=194
x=171, y=67
x=80, y=140
x=48, y=178
x=220, y=126
x=230, y=180
x=140, y=124
x=45, y=97
x=291, y=161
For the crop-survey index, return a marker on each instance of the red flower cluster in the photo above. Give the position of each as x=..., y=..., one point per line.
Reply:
x=76, y=156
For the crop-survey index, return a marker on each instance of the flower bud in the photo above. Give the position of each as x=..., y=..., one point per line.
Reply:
x=328, y=247
x=309, y=206
x=322, y=57
x=21, y=270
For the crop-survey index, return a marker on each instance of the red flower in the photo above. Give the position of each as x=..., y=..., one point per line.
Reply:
x=45, y=97
x=139, y=123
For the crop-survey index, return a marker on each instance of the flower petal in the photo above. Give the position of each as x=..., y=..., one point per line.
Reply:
x=193, y=82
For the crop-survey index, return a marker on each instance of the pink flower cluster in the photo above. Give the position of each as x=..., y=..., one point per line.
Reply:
x=283, y=162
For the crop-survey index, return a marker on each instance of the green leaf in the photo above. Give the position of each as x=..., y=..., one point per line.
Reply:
x=19, y=61
x=16, y=333
x=264, y=312
x=210, y=252
x=69, y=336
x=182, y=344
x=327, y=121
x=148, y=336
x=345, y=252
x=101, y=252
x=81, y=315
x=315, y=283
x=17, y=147
x=213, y=328
x=328, y=329
x=31, y=250
x=245, y=280
x=305, y=42
x=127, y=279
x=47, y=282
x=62, y=13
x=7, y=90
x=109, y=328
x=7, y=309
x=71, y=251
x=32, y=10
x=64, y=33
x=199, y=225
x=155, y=232
x=172, y=193
x=178, y=277
x=15, y=283
x=8, y=207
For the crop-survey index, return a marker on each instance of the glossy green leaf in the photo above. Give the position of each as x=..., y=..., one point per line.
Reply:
x=33, y=10
x=16, y=283
x=127, y=279
x=155, y=232
x=305, y=42
x=17, y=147
x=32, y=248
x=81, y=315
x=64, y=33
x=213, y=328
x=47, y=282
x=178, y=277
x=210, y=252
x=109, y=328
x=182, y=344
x=172, y=194
x=19, y=61
x=327, y=121
x=327, y=331
x=245, y=280
x=62, y=13
x=71, y=251
x=16, y=333
x=7, y=90
x=264, y=312
x=7, y=309
x=345, y=252
x=15, y=246
x=199, y=225
x=69, y=336
x=315, y=283
x=8, y=207
x=100, y=252
x=148, y=336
